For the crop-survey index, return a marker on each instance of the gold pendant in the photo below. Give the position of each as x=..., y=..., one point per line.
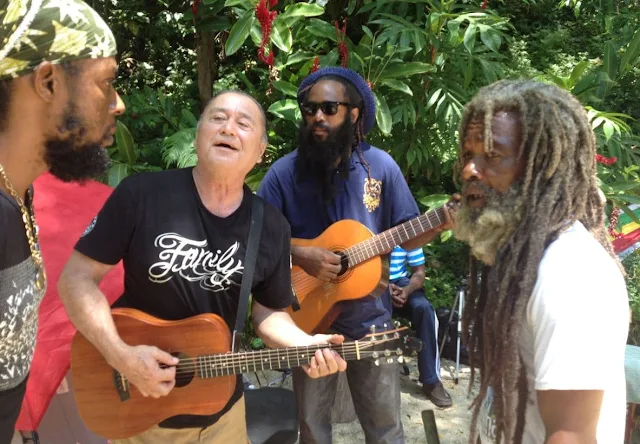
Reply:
x=41, y=278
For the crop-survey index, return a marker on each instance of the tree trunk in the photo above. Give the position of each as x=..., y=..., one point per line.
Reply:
x=207, y=65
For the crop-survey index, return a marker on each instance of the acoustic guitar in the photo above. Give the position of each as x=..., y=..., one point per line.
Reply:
x=364, y=269
x=205, y=376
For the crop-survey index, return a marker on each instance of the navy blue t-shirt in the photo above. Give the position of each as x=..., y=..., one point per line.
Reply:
x=379, y=204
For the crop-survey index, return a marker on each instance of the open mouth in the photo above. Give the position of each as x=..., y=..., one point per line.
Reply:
x=226, y=146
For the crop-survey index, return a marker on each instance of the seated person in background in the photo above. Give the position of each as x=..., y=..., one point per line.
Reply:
x=409, y=301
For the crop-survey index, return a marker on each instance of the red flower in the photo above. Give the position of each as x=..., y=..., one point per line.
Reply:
x=484, y=5
x=194, y=7
x=266, y=18
x=343, y=49
x=316, y=65
x=606, y=160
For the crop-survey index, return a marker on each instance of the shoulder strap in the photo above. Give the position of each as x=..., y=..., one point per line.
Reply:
x=257, y=211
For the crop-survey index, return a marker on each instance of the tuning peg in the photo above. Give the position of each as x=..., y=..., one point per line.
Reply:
x=377, y=362
x=372, y=329
x=389, y=360
x=400, y=359
x=375, y=354
x=387, y=353
x=398, y=351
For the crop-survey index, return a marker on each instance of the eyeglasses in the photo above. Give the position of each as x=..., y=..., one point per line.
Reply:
x=328, y=108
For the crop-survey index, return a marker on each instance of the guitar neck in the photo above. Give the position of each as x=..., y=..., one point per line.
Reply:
x=224, y=364
x=386, y=241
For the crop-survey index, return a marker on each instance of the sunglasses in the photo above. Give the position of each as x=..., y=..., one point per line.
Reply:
x=328, y=108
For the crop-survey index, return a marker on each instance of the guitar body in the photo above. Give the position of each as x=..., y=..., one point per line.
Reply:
x=96, y=384
x=319, y=301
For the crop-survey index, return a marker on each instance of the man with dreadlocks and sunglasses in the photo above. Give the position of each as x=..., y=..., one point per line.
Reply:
x=334, y=175
x=547, y=315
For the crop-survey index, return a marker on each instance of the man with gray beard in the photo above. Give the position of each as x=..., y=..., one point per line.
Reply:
x=551, y=366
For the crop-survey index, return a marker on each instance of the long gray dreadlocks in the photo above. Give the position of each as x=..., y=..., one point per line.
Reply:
x=559, y=187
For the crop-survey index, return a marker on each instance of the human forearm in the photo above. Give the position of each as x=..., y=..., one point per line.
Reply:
x=566, y=437
x=89, y=311
x=416, y=282
x=277, y=329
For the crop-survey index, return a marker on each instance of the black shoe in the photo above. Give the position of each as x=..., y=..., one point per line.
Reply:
x=437, y=395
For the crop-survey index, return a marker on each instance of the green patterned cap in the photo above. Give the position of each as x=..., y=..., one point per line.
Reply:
x=32, y=31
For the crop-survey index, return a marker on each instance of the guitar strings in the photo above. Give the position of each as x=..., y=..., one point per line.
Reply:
x=307, y=282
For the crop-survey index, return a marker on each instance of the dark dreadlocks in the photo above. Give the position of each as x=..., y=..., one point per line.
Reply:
x=558, y=187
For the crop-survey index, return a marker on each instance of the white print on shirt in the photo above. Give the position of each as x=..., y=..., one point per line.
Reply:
x=194, y=262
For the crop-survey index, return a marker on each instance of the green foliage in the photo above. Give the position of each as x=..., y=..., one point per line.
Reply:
x=447, y=264
x=632, y=267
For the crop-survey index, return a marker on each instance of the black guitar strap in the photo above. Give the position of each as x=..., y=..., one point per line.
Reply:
x=253, y=244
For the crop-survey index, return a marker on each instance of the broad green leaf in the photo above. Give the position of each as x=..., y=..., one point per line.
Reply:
x=397, y=85
x=577, y=72
x=630, y=213
x=189, y=118
x=631, y=53
x=628, y=198
x=490, y=37
x=383, y=115
x=240, y=32
x=434, y=200
x=281, y=36
x=300, y=56
x=125, y=143
x=624, y=185
x=117, y=173
x=610, y=61
x=406, y=70
x=434, y=97
x=411, y=156
x=286, y=88
x=215, y=24
x=286, y=109
x=303, y=10
x=368, y=32
x=446, y=235
x=320, y=28
x=246, y=3
x=608, y=129
x=256, y=33
x=470, y=37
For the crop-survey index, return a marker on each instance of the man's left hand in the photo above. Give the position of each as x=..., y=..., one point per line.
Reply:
x=399, y=295
x=326, y=361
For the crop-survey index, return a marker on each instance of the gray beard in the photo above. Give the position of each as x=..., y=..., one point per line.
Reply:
x=486, y=230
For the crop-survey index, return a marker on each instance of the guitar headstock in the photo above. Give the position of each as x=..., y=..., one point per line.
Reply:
x=389, y=346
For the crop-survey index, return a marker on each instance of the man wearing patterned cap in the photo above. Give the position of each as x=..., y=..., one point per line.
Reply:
x=57, y=113
x=335, y=174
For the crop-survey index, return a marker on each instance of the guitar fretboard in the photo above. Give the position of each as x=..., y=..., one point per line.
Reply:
x=386, y=241
x=211, y=366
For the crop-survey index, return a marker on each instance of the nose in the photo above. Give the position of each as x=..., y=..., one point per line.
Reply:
x=319, y=116
x=228, y=127
x=119, y=106
x=472, y=170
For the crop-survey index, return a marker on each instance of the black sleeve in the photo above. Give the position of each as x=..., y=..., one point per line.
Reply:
x=108, y=236
x=275, y=291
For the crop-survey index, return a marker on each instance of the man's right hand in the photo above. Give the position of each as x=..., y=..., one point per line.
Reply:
x=319, y=263
x=141, y=365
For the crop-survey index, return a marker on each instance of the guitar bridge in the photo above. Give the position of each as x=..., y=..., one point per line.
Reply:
x=122, y=386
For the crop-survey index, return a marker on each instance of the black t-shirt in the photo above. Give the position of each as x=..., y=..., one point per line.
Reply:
x=181, y=260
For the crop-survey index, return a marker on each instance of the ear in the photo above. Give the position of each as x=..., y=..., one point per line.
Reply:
x=263, y=147
x=46, y=81
x=355, y=113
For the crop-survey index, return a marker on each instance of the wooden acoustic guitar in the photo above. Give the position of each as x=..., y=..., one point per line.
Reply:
x=205, y=377
x=364, y=269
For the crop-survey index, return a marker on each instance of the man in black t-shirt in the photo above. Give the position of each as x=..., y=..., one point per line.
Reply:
x=182, y=237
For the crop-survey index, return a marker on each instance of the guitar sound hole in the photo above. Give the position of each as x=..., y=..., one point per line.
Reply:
x=186, y=369
x=344, y=262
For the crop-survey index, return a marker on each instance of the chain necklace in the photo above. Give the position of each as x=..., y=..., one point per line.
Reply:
x=31, y=228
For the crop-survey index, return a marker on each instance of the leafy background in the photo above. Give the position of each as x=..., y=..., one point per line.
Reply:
x=424, y=60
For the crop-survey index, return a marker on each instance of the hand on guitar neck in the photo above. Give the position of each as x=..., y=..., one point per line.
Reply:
x=317, y=262
x=424, y=239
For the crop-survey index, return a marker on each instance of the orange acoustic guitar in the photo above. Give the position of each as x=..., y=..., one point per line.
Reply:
x=364, y=270
x=205, y=376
